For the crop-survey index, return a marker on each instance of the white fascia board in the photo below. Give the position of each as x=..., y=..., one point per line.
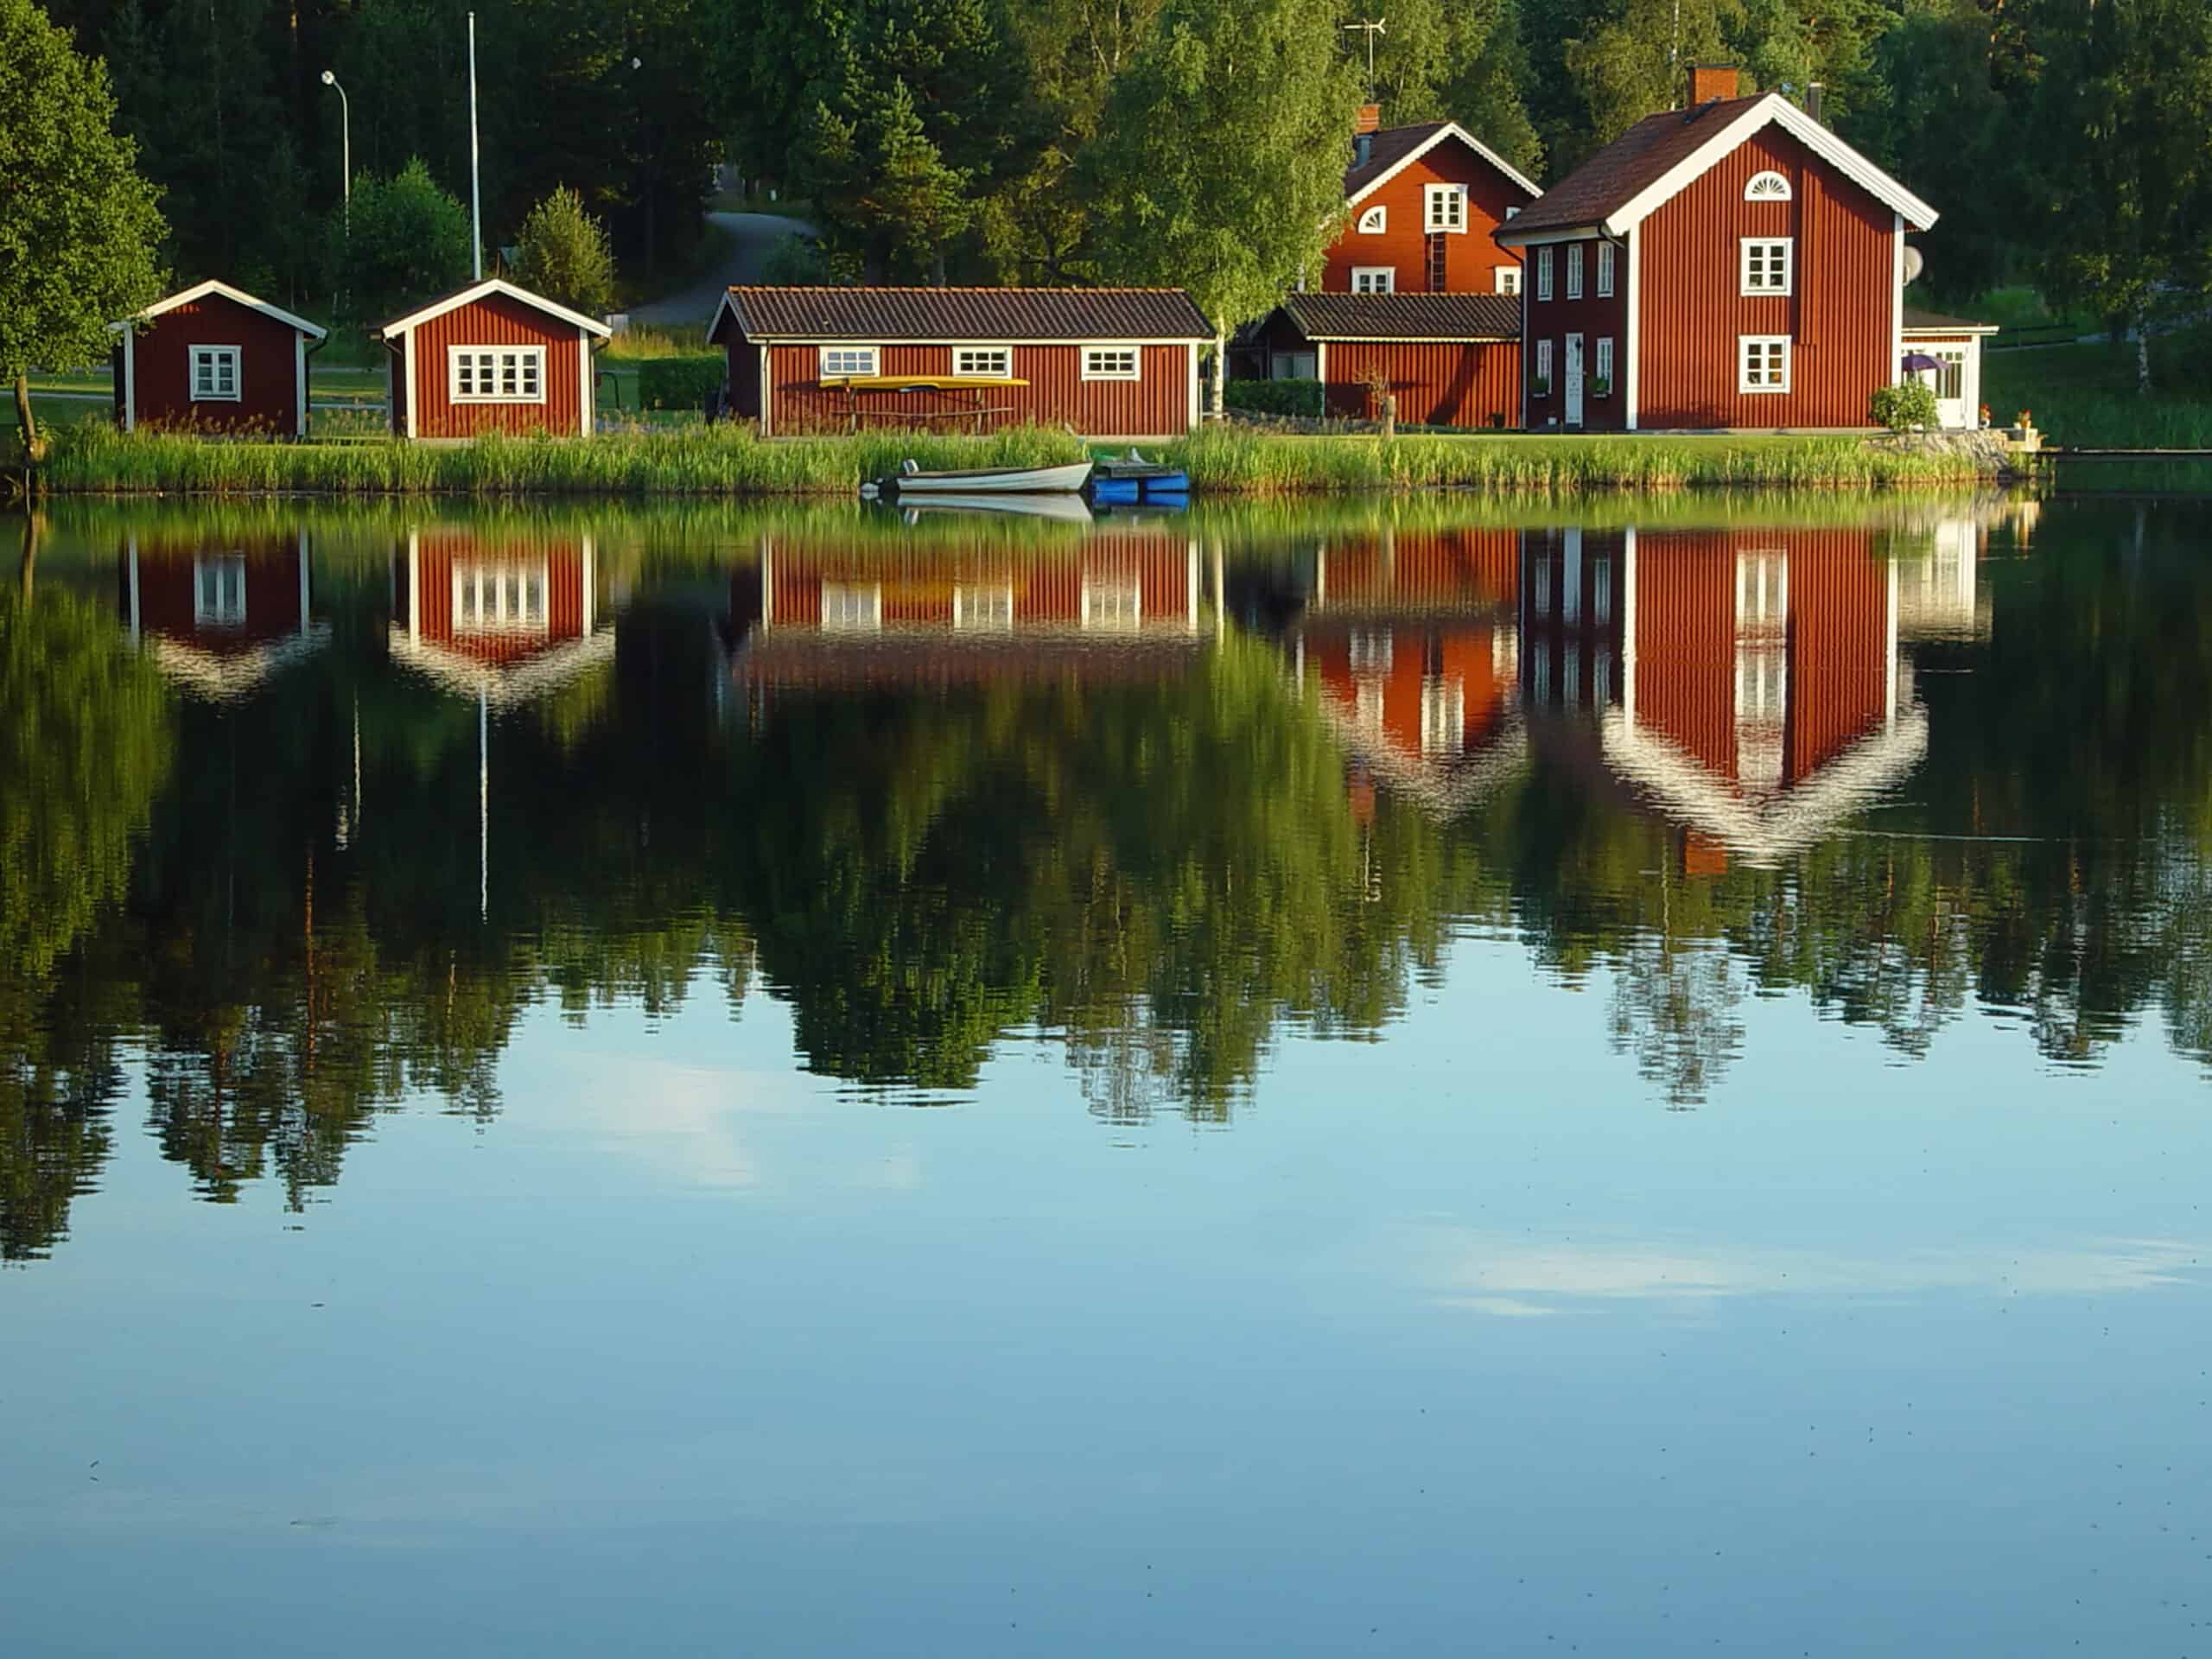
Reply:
x=495, y=285
x=1449, y=130
x=1773, y=109
x=236, y=295
x=1412, y=339
x=1949, y=331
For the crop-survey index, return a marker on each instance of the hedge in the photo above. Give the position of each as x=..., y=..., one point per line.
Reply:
x=679, y=382
x=1299, y=398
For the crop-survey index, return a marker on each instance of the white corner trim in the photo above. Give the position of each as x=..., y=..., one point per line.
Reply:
x=412, y=370
x=1630, y=387
x=1449, y=130
x=587, y=400
x=767, y=388
x=1896, y=303
x=129, y=380
x=300, y=388
x=1193, y=378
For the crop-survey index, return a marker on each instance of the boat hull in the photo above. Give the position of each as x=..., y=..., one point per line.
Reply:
x=992, y=480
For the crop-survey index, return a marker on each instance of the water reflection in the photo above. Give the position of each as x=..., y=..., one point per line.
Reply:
x=306, y=817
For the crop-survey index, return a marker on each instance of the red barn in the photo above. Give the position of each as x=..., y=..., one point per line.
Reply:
x=1450, y=359
x=217, y=358
x=501, y=615
x=1423, y=203
x=219, y=616
x=1110, y=362
x=491, y=358
x=1732, y=266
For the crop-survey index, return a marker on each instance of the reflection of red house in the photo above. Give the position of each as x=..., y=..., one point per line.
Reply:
x=219, y=618
x=503, y=615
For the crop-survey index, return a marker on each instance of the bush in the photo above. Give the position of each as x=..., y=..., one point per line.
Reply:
x=564, y=255
x=679, y=382
x=1904, y=406
x=1298, y=397
x=409, y=241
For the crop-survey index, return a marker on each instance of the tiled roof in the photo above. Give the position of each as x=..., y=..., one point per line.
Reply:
x=979, y=314
x=1386, y=150
x=1919, y=321
x=1628, y=166
x=1405, y=317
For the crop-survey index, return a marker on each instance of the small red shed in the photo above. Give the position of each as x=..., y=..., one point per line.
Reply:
x=216, y=357
x=491, y=358
x=1734, y=265
x=1110, y=362
x=1450, y=359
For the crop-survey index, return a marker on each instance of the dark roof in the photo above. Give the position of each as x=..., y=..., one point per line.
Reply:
x=979, y=314
x=1637, y=160
x=1405, y=317
x=1386, y=150
x=1917, y=322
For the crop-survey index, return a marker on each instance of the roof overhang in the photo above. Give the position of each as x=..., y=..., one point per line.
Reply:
x=1449, y=130
x=1409, y=340
x=478, y=290
x=502, y=685
x=1504, y=237
x=236, y=296
x=1947, y=330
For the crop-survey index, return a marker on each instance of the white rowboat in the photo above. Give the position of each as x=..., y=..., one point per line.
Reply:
x=989, y=480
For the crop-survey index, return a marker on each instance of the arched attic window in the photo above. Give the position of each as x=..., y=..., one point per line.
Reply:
x=1374, y=220
x=1769, y=185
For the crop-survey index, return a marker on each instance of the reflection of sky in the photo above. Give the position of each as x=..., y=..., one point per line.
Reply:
x=687, y=1353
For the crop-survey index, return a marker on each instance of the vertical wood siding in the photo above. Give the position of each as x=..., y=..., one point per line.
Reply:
x=917, y=588
x=1838, y=314
x=445, y=552
x=1469, y=259
x=495, y=320
x=1593, y=318
x=1156, y=405
x=1407, y=569
x=1439, y=385
x=268, y=369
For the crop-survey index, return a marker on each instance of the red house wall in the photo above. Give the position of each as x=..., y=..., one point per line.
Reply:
x=268, y=369
x=1157, y=405
x=1592, y=316
x=1840, y=316
x=1047, y=590
x=1470, y=256
x=1418, y=652
x=494, y=320
x=1440, y=385
x=167, y=588
x=1412, y=570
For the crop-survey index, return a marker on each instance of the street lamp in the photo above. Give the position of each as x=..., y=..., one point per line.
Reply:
x=346, y=131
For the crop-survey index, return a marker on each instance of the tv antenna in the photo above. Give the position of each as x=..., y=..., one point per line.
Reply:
x=1370, y=30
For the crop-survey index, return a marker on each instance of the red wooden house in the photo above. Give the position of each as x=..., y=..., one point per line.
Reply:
x=218, y=617
x=1424, y=202
x=1449, y=359
x=502, y=616
x=1734, y=265
x=1118, y=362
x=216, y=358
x=491, y=358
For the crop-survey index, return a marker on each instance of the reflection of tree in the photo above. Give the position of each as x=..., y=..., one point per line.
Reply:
x=1674, y=1008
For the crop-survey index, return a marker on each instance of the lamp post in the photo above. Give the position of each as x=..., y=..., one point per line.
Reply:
x=346, y=140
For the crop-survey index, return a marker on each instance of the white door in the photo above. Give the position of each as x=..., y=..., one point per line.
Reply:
x=1574, y=379
x=1950, y=383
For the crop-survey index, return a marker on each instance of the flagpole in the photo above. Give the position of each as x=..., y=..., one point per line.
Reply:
x=475, y=187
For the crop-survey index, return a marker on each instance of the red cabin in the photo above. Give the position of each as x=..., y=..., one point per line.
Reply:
x=1732, y=266
x=1110, y=362
x=216, y=358
x=1423, y=202
x=491, y=358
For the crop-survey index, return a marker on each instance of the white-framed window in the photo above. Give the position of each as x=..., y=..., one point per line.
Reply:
x=218, y=591
x=1601, y=594
x=1508, y=278
x=839, y=361
x=1574, y=270
x=852, y=606
x=1374, y=221
x=1766, y=264
x=1606, y=253
x=1769, y=185
x=501, y=595
x=1369, y=651
x=984, y=610
x=1445, y=207
x=1116, y=606
x=1544, y=364
x=495, y=374
x=1542, y=600
x=970, y=362
x=1605, y=370
x=214, y=374
x=1111, y=363
x=1543, y=273
x=1443, y=715
x=1762, y=362
x=1951, y=378
x=1374, y=279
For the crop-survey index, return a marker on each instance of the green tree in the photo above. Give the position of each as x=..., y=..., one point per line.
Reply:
x=1456, y=61
x=78, y=225
x=1638, y=62
x=565, y=255
x=409, y=240
x=1219, y=166
x=879, y=183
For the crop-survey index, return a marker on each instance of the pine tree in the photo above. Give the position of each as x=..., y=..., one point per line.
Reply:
x=565, y=255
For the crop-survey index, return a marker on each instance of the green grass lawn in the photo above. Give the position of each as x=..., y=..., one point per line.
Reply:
x=2084, y=397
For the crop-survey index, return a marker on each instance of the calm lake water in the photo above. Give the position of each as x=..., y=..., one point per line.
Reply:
x=1403, y=1077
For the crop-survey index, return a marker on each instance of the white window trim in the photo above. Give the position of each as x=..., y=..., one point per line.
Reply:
x=237, y=392
x=1374, y=221
x=823, y=371
x=229, y=570
x=1602, y=366
x=1608, y=256
x=1507, y=279
x=1789, y=246
x=1543, y=273
x=1118, y=605
x=1136, y=360
x=1743, y=380
x=1752, y=192
x=455, y=353
x=501, y=580
x=959, y=373
x=1431, y=194
x=851, y=608
x=1544, y=366
x=1574, y=270
x=995, y=613
x=1366, y=274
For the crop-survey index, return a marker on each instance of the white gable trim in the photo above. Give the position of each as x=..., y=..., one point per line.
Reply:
x=1449, y=130
x=494, y=285
x=237, y=295
x=1773, y=110
x=715, y=321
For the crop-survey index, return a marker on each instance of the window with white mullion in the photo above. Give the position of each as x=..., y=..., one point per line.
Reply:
x=1111, y=363
x=1446, y=206
x=496, y=374
x=1766, y=265
x=1574, y=270
x=842, y=362
x=978, y=362
x=215, y=374
x=1543, y=273
x=500, y=597
x=1762, y=363
x=1606, y=255
x=1374, y=279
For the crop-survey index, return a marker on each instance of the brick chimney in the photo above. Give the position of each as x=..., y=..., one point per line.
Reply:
x=1370, y=118
x=1712, y=80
